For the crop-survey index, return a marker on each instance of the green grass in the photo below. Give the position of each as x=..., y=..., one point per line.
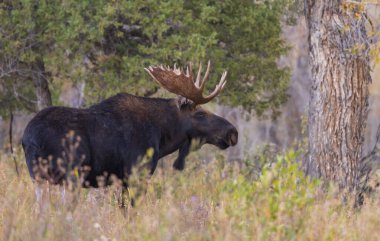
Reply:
x=214, y=201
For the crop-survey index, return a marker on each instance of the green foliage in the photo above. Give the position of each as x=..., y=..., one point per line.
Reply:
x=107, y=43
x=280, y=189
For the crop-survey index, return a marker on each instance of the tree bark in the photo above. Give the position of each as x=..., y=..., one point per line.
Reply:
x=41, y=85
x=339, y=95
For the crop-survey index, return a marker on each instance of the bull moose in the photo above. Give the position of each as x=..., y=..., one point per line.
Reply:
x=113, y=135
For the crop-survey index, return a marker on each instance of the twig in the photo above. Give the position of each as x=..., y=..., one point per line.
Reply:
x=11, y=142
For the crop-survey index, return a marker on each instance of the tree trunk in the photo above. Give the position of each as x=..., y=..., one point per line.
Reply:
x=339, y=96
x=41, y=85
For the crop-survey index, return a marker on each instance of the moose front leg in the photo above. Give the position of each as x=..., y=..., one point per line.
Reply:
x=184, y=150
x=154, y=161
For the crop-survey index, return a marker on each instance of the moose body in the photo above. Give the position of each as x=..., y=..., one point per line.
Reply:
x=112, y=136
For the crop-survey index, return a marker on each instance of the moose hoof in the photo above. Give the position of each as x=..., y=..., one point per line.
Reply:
x=179, y=165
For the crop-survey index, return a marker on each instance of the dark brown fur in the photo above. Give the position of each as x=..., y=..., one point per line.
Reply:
x=113, y=135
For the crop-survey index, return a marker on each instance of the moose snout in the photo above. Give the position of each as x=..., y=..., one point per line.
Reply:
x=232, y=136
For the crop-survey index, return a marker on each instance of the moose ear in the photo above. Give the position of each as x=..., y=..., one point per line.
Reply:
x=185, y=104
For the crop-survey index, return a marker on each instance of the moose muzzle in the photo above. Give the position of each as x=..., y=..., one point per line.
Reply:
x=232, y=136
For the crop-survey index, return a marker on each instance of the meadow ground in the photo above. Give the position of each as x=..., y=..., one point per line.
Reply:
x=213, y=201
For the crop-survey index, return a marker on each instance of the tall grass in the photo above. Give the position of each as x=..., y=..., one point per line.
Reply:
x=214, y=201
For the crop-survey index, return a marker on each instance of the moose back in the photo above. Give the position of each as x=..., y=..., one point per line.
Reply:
x=109, y=138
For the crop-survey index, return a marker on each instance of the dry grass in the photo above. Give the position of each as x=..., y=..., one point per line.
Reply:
x=217, y=201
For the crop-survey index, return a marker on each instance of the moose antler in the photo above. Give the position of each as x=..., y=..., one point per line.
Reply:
x=178, y=82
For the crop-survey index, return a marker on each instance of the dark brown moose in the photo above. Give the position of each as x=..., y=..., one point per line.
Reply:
x=109, y=138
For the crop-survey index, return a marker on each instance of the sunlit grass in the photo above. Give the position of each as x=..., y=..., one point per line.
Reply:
x=214, y=201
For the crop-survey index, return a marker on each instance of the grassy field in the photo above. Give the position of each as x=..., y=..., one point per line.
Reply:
x=214, y=201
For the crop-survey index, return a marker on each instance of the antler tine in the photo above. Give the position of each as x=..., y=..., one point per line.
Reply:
x=205, y=77
x=219, y=87
x=198, y=80
x=176, y=70
x=181, y=82
x=189, y=70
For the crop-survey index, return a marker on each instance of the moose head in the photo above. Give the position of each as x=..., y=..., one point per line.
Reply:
x=199, y=123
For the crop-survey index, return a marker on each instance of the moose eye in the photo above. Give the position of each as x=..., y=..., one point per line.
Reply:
x=200, y=114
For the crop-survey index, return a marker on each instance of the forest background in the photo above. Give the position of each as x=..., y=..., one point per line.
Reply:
x=77, y=53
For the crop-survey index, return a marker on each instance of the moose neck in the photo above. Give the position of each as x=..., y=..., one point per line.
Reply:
x=174, y=130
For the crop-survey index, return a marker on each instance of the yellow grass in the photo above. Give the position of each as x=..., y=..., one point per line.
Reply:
x=215, y=201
